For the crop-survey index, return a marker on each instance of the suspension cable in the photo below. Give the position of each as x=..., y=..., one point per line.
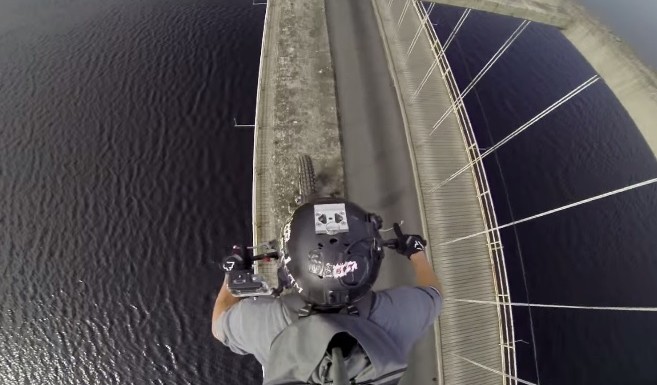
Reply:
x=505, y=46
x=424, y=79
x=441, y=53
x=457, y=27
x=493, y=370
x=520, y=129
x=516, y=33
x=401, y=17
x=581, y=202
x=419, y=29
x=614, y=308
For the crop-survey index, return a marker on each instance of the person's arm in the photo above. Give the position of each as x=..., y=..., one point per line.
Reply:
x=406, y=313
x=248, y=325
x=412, y=246
x=424, y=274
x=224, y=300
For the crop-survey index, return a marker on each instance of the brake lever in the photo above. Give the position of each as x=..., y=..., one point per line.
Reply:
x=394, y=243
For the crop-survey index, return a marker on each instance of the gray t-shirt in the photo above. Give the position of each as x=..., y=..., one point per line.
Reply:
x=250, y=326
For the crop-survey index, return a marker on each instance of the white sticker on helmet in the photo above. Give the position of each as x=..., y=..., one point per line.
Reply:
x=315, y=265
x=286, y=232
x=331, y=219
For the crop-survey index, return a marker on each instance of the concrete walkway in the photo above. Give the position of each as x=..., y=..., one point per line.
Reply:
x=468, y=267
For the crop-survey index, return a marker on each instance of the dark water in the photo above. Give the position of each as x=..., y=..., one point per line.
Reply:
x=599, y=254
x=121, y=181
x=633, y=21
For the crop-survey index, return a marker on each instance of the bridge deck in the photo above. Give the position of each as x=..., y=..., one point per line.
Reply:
x=296, y=113
x=450, y=212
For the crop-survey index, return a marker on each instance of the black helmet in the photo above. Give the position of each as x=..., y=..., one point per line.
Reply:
x=331, y=252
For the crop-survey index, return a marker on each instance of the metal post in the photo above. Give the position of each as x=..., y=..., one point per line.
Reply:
x=520, y=129
x=242, y=125
x=581, y=202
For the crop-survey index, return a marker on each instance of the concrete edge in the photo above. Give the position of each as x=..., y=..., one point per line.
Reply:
x=535, y=10
x=416, y=177
x=254, y=186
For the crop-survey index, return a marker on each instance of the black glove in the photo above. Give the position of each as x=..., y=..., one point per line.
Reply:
x=408, y=244
x=235, y=261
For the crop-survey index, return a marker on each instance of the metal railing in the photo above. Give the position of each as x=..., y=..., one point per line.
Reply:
x=496, y=251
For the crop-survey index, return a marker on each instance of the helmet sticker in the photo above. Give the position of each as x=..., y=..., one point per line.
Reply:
x=329, y=270
x=342, y=269
x=331, y=219
x=286, y=232
x=315, y=266
x=293, y=282
x=290, y=278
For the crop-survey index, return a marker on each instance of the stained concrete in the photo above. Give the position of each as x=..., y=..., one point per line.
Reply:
x=296, y=113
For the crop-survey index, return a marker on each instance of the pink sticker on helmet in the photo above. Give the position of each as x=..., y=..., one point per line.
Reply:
x=342, y=269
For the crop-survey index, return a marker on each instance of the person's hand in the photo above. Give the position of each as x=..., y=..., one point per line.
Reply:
x=408, y=244
x=235, y=261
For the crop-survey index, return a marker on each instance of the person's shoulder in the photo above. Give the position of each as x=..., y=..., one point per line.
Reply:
x=406, y=294
x=432, y=291
x=250, y=308
x=409, y=290
x=260, y=301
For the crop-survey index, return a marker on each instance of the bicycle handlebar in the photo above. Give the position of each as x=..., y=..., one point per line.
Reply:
x=243, y=256
x=268, y=255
